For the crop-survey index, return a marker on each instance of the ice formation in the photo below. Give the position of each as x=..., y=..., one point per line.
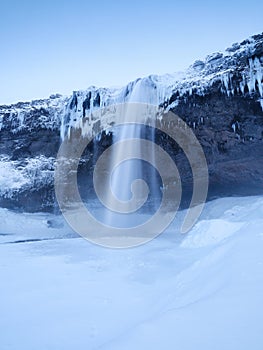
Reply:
x=228, y=69
x=236, y=72
x=239, y=70
x=30, y=172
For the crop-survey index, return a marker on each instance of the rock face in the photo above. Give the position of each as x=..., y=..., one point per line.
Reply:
x=220, y=98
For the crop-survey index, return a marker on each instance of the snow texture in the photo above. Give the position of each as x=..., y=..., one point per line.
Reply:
x=238, y=70
x=16, y=175
x=200, y=291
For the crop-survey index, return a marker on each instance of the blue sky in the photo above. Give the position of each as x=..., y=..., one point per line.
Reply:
x=59, y=46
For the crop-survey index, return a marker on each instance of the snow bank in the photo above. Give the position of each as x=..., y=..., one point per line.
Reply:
x=210, y=232
x=199, y=291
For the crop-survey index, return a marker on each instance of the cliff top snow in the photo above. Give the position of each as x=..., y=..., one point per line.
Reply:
x=239, y=70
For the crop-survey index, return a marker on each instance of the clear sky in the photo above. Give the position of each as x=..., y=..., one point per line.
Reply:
x=49, y=46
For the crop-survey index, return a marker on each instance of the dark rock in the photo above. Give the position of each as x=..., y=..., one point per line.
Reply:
x=227, y=122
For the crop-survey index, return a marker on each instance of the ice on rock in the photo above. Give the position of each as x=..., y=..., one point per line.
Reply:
x=198, y=65
x=77, y=111
x=158, y=90
x=258, y=69
x=20, y=116
x=18, y=175
x=153, y=90
x=213, y=57
x=225, y=81
x=234, y=47
x=253, y=77
x=1, y=121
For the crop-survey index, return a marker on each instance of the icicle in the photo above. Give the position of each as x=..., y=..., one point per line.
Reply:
x=225, y=81
x=255, y=76
x=20, y=117
x=259, y=75
x=69, y=129
x=62, y=129
x=1, y=121
x=98, y=137
x=252, y=82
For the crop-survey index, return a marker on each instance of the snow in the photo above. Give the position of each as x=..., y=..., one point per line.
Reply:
x=18, y=175
x=229, y=68
x=19, y=115
x=10, y=177
x=157, y=90
x=208, y=232
x=152, y=90
x=197, y=291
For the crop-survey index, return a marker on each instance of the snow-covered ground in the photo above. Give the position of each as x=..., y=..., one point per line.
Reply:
x=203, y=290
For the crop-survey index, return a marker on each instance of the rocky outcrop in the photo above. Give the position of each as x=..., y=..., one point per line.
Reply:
x=220, y=98
x=230, y=130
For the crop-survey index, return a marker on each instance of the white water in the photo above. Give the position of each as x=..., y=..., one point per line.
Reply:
x=128, y=171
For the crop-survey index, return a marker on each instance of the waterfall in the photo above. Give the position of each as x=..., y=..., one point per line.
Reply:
x=132, y=170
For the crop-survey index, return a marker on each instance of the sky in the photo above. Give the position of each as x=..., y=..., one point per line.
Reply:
x=57, y=46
